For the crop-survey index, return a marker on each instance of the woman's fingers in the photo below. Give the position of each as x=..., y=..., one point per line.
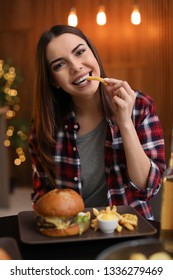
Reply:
x=128, y=89
x=112, y=81
x=119, y=87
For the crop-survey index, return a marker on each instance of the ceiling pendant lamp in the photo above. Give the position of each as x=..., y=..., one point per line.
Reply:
x=101, y=16
x=135, y=15
x=72, y=17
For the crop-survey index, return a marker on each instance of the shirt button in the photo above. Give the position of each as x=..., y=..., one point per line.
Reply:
x=75, y=179
x=74, y=149
x=75, y=126
x=66, y=126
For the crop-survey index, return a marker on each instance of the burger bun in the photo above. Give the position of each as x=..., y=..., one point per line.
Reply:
x=59, y=203
x=60, y=213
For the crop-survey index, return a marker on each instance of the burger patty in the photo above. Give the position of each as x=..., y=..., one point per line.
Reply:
x=60, y=223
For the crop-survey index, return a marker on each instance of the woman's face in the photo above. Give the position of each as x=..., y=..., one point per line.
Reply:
x=71, y=61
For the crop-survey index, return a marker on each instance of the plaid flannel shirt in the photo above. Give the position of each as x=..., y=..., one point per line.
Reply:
x=121, y=190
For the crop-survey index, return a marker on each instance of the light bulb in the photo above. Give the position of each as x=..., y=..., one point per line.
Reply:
x=72, y=18
x=101, y=16
x=136, y=16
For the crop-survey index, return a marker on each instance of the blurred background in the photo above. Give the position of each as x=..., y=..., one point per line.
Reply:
x=140, y=53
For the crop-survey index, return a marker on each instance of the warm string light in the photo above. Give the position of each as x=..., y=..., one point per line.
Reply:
x=101, y=16
x=72, y=17
x=9, y=99
x=136, y=16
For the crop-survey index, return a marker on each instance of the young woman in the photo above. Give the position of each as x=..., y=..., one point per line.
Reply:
x=104, y=141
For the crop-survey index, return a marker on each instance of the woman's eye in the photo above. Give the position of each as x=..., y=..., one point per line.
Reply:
x=79, y=52
x=58, y=66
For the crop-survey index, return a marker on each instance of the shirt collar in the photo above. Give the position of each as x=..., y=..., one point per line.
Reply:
x=70, y=123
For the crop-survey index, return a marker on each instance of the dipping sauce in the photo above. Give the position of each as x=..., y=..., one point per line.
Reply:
x=107, y=217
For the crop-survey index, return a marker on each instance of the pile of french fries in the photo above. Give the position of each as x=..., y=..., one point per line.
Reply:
x=127, y=220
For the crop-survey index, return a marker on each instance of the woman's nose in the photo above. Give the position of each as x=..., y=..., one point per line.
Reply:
x=75, y=67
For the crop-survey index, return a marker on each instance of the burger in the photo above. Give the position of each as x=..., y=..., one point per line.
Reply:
x=60, y=213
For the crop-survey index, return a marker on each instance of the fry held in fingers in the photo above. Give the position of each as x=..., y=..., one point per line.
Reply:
x=96, y=79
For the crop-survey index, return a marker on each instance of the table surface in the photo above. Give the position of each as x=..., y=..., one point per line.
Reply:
x=87, y=250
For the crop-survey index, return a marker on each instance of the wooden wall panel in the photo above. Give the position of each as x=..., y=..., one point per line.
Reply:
x=15, y=15
x=142, y=54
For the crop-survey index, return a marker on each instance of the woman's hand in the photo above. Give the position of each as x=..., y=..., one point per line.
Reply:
x=123, y=99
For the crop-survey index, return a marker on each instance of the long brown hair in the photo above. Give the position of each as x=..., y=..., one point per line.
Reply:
x=50, y=108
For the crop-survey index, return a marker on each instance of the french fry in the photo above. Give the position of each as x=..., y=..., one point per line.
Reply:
x=89, y=78
x=96, y=212
x=114, y=210
x=108, y=210
x=130, y=218
x=128, y=226
x=94, y=224
x=119, y=217
x=119, y=228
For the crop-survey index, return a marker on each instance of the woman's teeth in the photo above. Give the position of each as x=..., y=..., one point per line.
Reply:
x=82, y=79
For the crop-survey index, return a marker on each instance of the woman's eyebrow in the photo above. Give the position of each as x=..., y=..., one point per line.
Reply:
x=76, y=47
x=60, y=58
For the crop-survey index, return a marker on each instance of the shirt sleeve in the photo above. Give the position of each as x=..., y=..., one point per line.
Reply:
x=150, y=134
x=41, y=183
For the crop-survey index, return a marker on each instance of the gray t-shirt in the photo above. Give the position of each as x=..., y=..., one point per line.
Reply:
x=91, y=152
